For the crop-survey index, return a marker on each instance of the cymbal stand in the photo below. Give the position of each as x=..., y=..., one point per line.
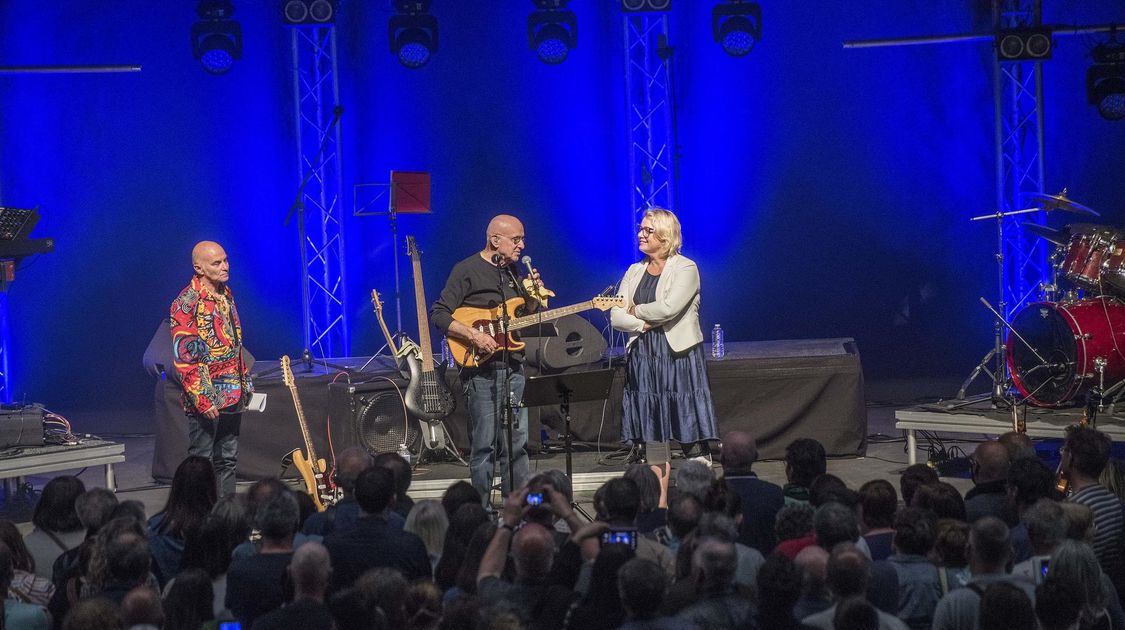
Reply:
x=1000, y=384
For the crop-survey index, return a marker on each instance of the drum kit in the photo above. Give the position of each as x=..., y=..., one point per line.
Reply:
x=1072, y=343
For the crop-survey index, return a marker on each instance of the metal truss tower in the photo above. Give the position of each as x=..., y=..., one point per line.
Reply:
x=1018, y=94
x=320, y=217
x=651, y=116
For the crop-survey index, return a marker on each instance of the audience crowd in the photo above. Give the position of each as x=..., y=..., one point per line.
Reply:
x=693, y=549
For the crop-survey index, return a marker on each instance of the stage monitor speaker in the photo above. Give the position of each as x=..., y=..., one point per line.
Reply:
x=371, y=415
x=578, y=343
x=161, y=363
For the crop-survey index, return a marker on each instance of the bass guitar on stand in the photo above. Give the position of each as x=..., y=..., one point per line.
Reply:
x=427, y=397
x=312, y=468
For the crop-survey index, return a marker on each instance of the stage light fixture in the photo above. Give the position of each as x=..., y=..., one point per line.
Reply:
x=216, y=40
x=413, y=33
x=646, y=6
x=1105, y=80
x=304, y=12
x=1024, y=44
x=552, y=31
x=737, y=26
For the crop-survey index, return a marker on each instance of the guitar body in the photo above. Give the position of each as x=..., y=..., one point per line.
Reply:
x=314, y=481
x=486, y=320
x=427, y=396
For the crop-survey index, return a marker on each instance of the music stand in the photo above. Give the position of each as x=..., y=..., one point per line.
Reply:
x=563, y=389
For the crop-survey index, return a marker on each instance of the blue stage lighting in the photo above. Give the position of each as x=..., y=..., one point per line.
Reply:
x=413, y=34
x=216, y=39
x=737, y=26
x=551, y=32
x=1105, y=81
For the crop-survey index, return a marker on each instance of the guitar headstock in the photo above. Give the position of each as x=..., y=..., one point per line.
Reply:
x=412, y=248
x=286, y=371
x=375, y=301
x=606, y=302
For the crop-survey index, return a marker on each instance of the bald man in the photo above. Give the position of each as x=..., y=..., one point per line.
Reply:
x=207, y=343
x=989, y=497
x=486, y=279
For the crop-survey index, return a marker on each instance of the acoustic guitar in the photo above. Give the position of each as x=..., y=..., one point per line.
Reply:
x=490, y=322
x=312, y=468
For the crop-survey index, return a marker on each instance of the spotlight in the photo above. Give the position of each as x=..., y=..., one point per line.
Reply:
x=301, y=12
x=413, y=33
x=1024, y=44
x=646, y=6
x=216, y=40
x=1105, y=81
x=737, y=25
x=552, y=32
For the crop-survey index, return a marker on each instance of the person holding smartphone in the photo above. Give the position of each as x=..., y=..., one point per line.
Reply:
x=667, y=395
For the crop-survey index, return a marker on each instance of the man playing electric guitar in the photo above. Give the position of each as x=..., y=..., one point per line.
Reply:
x=488, y=279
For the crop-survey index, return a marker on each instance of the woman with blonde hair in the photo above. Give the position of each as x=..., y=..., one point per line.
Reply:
x=428, y=521
x=667, y=396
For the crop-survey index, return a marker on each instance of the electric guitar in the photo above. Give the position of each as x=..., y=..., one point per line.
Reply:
x=311, y=468
x=489, y=321
x=427, y=396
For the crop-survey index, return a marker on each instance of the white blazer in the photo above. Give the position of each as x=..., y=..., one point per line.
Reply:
x=676, y=308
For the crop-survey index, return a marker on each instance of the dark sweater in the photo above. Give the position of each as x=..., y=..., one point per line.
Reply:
x=475, y=282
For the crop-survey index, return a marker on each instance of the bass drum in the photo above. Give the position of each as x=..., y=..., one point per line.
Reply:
x=1070, y=336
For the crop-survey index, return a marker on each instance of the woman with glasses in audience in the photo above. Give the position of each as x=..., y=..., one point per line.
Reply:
x=667, y=396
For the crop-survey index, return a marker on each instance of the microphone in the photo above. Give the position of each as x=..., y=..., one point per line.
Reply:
x=526, y=260
x=497, y=259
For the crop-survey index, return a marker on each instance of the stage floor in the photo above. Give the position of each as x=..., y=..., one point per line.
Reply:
x=886, y=457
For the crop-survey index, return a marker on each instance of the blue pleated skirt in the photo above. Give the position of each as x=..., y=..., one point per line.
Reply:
x=666, y=393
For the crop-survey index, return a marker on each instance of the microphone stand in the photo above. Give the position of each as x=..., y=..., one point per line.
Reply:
x=506, y=418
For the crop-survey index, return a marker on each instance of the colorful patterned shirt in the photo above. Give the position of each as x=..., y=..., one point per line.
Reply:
x=207, y=342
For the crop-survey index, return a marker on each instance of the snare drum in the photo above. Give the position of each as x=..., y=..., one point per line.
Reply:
x=1070, y=337
x=1089, y=247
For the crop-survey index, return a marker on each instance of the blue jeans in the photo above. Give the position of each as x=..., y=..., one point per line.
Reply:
x=487, y=438
x=217, y=440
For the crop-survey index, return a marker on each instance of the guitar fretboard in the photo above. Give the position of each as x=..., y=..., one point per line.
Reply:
x=554, y=313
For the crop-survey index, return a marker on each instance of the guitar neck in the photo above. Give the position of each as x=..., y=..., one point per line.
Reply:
x=554, y=313
x=313, y=460
x=423, y=318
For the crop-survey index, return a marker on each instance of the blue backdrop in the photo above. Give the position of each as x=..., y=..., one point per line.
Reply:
x=820, y=189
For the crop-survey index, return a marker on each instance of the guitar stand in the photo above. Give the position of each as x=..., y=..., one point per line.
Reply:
x=428, y=447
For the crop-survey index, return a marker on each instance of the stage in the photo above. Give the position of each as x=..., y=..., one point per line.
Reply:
x=980, y=419
x=777, y=390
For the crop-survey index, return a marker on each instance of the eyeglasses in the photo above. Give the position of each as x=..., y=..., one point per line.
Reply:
x=516, y=240
x=647, y=231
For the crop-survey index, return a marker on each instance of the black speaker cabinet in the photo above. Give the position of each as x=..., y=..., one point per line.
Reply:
x=371, y=415
x=21, y=426
x=578, y=343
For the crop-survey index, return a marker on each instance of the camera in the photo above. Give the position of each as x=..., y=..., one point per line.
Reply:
x=535, y=498
x=620, y=537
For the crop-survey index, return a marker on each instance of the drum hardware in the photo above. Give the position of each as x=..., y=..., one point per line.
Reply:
x=1058, y=202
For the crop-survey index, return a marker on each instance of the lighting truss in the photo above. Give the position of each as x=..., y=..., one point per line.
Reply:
x=651, y=119
x=320, y=217
x=1018, y=92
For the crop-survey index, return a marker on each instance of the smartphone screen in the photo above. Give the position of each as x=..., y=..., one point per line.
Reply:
x=535, y=498
x=620, y=537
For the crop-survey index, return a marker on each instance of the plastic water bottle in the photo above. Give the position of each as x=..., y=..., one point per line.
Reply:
x=718, y=351
x=404, y=452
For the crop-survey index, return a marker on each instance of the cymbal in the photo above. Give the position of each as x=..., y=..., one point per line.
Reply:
x=1059, y=202
x=1049, y=234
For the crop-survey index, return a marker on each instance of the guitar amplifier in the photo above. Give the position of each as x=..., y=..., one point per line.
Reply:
x=21, y=426
x=371, y=415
